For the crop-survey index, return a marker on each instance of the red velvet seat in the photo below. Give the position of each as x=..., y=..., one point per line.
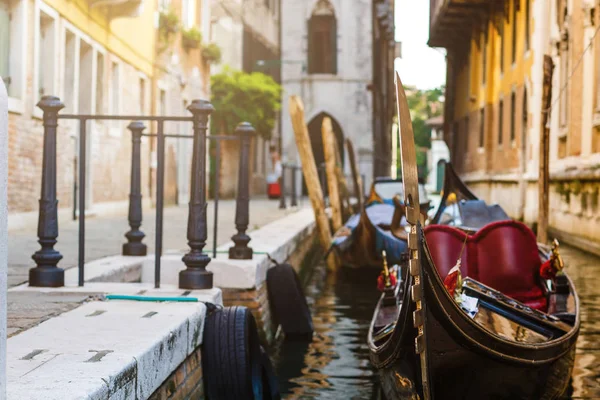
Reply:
x=502, y=255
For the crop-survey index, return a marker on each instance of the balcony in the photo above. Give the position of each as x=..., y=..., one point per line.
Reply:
x=118, y=8
x=451, y=22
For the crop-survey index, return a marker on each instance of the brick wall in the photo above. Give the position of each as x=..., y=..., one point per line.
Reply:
x=109, y=156
x=185, y=383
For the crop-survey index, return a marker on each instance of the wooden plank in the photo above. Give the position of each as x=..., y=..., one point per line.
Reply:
x=544, y=178
x=311, y=176
x=355, y=175
x=332, y=178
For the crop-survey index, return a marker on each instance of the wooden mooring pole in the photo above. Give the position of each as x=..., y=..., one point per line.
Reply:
x=544, y=174
x=358, y=184
x=332, y=178
x=311, y=176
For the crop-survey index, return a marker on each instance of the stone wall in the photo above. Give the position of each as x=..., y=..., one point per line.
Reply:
x=185, y=383
x=344, y=96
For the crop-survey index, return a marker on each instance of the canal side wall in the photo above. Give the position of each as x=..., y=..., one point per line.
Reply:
x=290, y=239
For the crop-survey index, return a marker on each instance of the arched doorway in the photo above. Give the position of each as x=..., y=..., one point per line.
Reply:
x=439, y=175
x=316, y=140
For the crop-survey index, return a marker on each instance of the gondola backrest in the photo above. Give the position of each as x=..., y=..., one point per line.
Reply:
x=503, y=255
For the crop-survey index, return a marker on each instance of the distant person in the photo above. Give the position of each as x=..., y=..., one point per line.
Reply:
x=274, y=178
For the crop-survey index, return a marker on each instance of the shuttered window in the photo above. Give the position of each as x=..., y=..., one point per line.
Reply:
x=322, y=45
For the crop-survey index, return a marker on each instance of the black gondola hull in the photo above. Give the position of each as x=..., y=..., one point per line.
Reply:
x=466, y=361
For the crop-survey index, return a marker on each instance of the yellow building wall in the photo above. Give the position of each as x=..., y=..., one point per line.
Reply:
x=132, y=39
x=471, y=94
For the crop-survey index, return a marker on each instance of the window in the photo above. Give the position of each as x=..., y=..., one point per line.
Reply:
x=500, y=118
x=525, y=121
x=513, y=107
x=501, y=33
x=86, y=69
x=514, y=31
x=46, y=59
x=163, y=5
x=162, y=102
x=13, y=32
x=143, y=97
x=483, y=56
x=71, y=43
x=188, y=13
x=322, y=40
x=454, y=139
x=564, y=76
x=482, y=127
x=115, y=93
x=527, y=28
x=100, y=80
x=467, y=127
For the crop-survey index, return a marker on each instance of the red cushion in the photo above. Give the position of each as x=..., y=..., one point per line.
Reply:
x=502, y=255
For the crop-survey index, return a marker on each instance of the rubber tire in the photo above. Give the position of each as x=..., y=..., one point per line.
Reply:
x=231, y=358
x=269, y=379
x=288, y=302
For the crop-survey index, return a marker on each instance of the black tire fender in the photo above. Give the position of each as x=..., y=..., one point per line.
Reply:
x=269, y=379
x=288, y=303
x=231, y=358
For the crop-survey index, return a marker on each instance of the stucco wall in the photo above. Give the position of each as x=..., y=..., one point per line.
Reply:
x=344, y=96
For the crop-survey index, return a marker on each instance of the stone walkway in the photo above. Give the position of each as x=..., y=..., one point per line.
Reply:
x=105, y=235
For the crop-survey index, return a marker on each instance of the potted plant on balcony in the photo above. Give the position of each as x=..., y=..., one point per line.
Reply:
x=211, y=53
x=191, y=38
x=168, y=23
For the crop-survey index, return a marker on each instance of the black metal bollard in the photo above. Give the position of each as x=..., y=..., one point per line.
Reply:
x=294, y=169
x=46, y=273
x=195, y=276
x=282, y=204
x=134, y=245
x=241, y=251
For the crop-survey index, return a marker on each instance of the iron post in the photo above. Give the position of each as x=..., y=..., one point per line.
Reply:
x=282, y=204
x=195, y=276
x=134, y=245
x=241, y=251
x=294, y=169
x=47, y=273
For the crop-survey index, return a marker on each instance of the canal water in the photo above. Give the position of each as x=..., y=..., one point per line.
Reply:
x=335, y=365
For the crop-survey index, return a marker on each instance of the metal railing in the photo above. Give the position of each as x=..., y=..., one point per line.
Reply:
x=195, y=276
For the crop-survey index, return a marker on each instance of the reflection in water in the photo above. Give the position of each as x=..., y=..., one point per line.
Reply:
x=584, y=269
x=335, y=365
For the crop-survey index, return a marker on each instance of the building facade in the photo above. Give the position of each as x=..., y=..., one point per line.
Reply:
x=85, y=53
x=494, y=105
x=437, y=156
x=248, y=31
x=338, y=57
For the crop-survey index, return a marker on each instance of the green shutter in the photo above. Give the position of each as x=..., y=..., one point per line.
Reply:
x=4, y=39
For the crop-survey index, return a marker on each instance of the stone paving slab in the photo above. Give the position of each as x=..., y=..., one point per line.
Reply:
x=106, y=349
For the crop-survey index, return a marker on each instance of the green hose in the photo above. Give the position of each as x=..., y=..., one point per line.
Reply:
x=150, y=298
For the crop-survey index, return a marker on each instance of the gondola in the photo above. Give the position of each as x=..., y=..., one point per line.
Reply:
x=483, y=314
x=366, y=234
x=459, y=206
